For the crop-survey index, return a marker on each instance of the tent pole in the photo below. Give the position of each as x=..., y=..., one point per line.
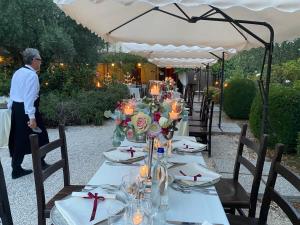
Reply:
x=222, y=91
x=207, y=74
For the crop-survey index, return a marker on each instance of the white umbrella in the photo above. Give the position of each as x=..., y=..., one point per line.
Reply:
x=239, y=24
x=153, y=26
x=172, y=51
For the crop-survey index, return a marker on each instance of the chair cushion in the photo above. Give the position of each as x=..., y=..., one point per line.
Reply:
x=67, y=190
x=232, y=194
x=242, y=220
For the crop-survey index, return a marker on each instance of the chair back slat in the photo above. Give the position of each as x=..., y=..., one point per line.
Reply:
x=250, y=144
x=272, y=195
x=256, y=170
x=50, y=146
x=286, y=206
x=288, y=175
x=5, y=213
x=53, y=168
x=246, y=163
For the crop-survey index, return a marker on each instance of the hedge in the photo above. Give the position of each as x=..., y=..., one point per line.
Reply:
x=238, y=97
x=83, y=107
x=284, y=111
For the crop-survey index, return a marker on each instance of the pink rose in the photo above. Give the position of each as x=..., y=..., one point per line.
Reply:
x=118, y=121
x=141, y=123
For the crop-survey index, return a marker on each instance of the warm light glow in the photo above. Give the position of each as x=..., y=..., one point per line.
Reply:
x=112, y=64
x=225, y=85
x=217, y=83
x=154, y=90
x=128, y=110
x=1, y=59
x=139, y=64
x=173, y=115
x=144, y=171
x=61, y=64
x=46, y=83
x=137, y=218
x=98, y=84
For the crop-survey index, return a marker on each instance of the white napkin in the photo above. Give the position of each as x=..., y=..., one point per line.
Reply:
x=190, y=178
x=208, y=177
x=124, y=149
x=123, y=156
x=188, y=146
x=77, y=210
x=127, y=143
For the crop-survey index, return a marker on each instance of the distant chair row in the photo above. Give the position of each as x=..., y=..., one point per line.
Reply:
x=233, y=196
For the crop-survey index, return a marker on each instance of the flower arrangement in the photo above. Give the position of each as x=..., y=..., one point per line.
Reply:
x=136, y=120
x=168, y=86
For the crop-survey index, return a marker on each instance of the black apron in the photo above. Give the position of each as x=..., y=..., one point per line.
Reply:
x=19, y=131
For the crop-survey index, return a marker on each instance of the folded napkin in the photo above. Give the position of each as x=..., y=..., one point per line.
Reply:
x=194, y=174
x=190, y=178
x=124, y=149
x=127, y=143
x=188, y=146
x=77, y=209
x=124, y=156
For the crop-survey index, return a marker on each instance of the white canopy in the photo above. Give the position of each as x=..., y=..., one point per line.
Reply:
x=151, y=25
x=182, y=62
x=172, y=51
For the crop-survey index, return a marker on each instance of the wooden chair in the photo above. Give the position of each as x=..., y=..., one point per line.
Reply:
x=271, y=195
x=203, y=130
x=5, y=213
x=232, y=194
x=41, y=175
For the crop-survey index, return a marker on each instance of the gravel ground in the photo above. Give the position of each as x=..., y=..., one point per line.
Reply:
x=85, y=147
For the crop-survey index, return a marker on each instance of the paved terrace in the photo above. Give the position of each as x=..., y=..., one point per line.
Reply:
x=85, y=147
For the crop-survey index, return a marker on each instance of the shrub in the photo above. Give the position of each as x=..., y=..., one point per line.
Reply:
x=213, y=93
x=238, y=97
x=84, y=107
x=284, y=111
x=298, y=143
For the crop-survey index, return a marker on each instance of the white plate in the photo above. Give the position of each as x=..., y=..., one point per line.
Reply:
x=188, y=146
x=207, y=178
x=121, y=156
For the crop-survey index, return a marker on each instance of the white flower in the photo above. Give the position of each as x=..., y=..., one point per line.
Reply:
x=163, y=122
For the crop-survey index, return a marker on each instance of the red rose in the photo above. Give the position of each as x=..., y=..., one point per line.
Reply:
x=156, y=116
x=165, y=131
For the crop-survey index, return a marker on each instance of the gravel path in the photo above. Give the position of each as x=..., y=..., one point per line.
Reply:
x=85, y=147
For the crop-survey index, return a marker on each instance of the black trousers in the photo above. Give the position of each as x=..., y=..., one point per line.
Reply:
x=19, y=143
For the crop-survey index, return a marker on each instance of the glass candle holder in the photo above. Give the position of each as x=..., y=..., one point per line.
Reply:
x=155, y=87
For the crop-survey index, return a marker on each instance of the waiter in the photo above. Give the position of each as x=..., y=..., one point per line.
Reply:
x=25, y=116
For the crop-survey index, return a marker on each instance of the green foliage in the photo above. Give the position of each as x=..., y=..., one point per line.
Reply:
x=298, y=144
x=289, y=70
x=4, y=84
x=68, y=79
x=83, y=107
x=238, y=97
x=284, y=111
x=41, y=24
x=213, y=93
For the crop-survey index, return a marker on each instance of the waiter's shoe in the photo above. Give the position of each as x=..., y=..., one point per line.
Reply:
x=44, y=165
x=16, y=173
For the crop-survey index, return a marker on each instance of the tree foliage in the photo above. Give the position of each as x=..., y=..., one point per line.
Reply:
x=40, y=24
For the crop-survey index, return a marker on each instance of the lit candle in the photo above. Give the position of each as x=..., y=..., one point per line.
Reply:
x=137, y=218
x=144, y=171
x=128, y=110
x=173, y=115
x=154, y=90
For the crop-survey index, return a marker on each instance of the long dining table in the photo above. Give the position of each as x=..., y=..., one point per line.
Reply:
x=184, y=208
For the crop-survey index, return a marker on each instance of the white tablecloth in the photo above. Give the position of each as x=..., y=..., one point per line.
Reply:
x=195, y=207
x=4, y=126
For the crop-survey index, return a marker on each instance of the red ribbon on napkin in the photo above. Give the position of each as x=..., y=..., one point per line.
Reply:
x=187, y=147
x=131, y=151
x=195, y=177
x=95, y=205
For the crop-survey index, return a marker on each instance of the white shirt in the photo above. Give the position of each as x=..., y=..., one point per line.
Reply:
x=25, y=88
